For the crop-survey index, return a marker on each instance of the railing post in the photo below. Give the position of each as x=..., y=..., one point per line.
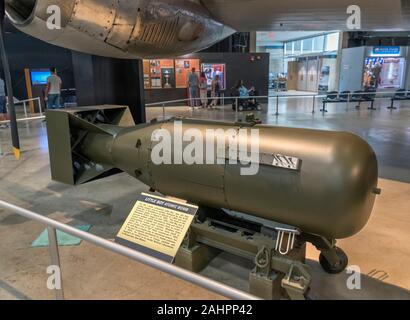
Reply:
x=40, y=107
x=55, y=259
x=237, y=106
x=163, y=111
x=135, y=255
x=277, y=105
x=314, y=104
x=25, y=109
x=324, y=110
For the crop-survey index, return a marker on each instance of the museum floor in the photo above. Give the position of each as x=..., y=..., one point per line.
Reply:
x=93, y=273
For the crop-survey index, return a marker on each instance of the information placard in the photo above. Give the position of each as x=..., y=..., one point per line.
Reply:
x=157, y=226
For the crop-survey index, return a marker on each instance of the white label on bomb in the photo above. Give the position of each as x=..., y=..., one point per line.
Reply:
x=287, y=162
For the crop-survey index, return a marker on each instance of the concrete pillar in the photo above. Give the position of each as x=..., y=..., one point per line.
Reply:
x=252, y=42
x=343, y=37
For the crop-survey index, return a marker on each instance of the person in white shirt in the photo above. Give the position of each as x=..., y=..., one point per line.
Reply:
x=53, y=90
x=203, y=90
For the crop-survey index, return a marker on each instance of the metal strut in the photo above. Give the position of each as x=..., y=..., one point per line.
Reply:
x=7, y=78
x=291, y=237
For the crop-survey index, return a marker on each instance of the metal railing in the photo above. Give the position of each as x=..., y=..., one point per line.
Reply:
x=187, y=102
x=348, y=99
x=53, y=225
x=24, y=104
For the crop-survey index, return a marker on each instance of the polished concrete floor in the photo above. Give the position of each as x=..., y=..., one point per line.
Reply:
x=93, y=273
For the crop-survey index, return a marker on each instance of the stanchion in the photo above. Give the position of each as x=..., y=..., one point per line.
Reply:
x=392, y=107
x=277, y=105
x=40, y=107
x=25, y=109
x=236, y=107
x=324, y=110
x=371, y=106
x=314, y=104
x=1, y=148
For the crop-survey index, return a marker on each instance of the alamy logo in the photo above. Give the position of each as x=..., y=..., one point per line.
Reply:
x=54, y=20
x=214, y=146
x=354, y=281
x=354, y=21
x=54, y=280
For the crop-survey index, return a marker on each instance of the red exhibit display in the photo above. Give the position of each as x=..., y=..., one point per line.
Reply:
x=213, y=69
x=393, y=71
x=384, y=72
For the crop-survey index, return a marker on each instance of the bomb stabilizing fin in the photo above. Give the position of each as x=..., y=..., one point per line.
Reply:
x=67, y=131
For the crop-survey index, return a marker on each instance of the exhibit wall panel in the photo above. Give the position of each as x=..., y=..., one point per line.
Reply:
x=252, y=68
x=331, y=64
x=385, y=67
x=302, y=75
x=25, y=52
x=101, y=80
x=312, y=75
x=379, y=67
x=351, y=72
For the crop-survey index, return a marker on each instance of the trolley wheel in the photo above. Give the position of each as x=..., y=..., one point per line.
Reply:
x=337, y=268
x=240, y=108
